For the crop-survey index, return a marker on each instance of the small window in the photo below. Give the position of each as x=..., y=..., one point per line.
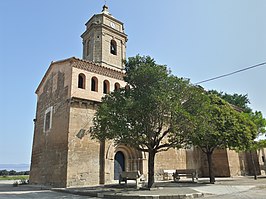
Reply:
x=113, y=47
x=106, y=87
x=117, y=86
x=48, y=119
x=94, y=84
x=81, y=81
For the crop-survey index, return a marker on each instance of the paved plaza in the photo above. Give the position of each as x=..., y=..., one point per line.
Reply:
x=224, y=188
x=7, y=191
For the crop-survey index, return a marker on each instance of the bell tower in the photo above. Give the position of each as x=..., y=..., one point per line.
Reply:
x=104, y=41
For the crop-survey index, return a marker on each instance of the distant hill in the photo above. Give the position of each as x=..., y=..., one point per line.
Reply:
x=16, y=167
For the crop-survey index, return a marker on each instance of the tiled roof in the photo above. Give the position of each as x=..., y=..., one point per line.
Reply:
x=88, y=66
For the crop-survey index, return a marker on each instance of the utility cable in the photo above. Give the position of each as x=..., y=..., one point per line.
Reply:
x=228, y=74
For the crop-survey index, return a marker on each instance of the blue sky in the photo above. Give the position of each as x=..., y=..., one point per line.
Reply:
x=196, y=39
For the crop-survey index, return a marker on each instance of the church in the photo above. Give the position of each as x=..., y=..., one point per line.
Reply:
x=64, y=155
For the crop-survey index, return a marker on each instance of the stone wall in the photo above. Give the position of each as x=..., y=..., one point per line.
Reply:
x=262, y=160
x=177, y=159
x=237, y=163
x=83, y=153
x=49, y=151
x=252, y=163
x=220, y=164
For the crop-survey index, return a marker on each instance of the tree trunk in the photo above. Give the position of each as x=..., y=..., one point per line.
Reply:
x=151, y=168
x=211, y=174
x=102, y=162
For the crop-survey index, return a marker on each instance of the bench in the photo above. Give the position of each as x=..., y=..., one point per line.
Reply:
x=185, y=173
x=168, y=174
x=131, y=175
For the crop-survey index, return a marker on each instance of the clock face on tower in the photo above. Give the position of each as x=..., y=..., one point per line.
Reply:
x=112, y=24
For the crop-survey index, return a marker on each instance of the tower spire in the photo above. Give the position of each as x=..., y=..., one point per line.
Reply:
x=104, y=41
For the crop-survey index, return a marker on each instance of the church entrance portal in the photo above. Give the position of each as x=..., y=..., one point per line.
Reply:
x=119, y=164
x=126, y=159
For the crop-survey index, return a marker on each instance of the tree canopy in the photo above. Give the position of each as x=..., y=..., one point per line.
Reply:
x=149, y=114
x=238, y=100
x=219, y=125
x=241, y=101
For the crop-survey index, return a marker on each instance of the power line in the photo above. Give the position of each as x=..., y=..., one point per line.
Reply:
x=238, y=71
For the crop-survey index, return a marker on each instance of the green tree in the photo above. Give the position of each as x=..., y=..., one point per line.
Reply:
x=259, y=121
x=218, y=125
x=148, y=114
x=12, y=172
x=242, y=102
x=4, y=172
x=238, y=100
x=260, y=144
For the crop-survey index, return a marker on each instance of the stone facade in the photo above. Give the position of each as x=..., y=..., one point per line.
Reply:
x=64, y=155
x=51, y=144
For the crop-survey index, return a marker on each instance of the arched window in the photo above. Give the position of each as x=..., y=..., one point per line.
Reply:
x=88, y=48
x=81, y=81
x=113, y=47
x=117, y=86
x=94, y=84
x=106, y=87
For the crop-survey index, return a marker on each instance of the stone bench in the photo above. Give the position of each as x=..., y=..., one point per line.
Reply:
x=168, y=174
x=131, y=175
x=185, y=173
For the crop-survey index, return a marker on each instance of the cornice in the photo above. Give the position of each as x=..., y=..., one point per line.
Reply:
x=96, y=68
x=104, y=26
x=81, y=101
x=108, y=16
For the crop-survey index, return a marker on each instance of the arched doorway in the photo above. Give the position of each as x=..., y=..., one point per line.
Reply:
x=119, y=164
